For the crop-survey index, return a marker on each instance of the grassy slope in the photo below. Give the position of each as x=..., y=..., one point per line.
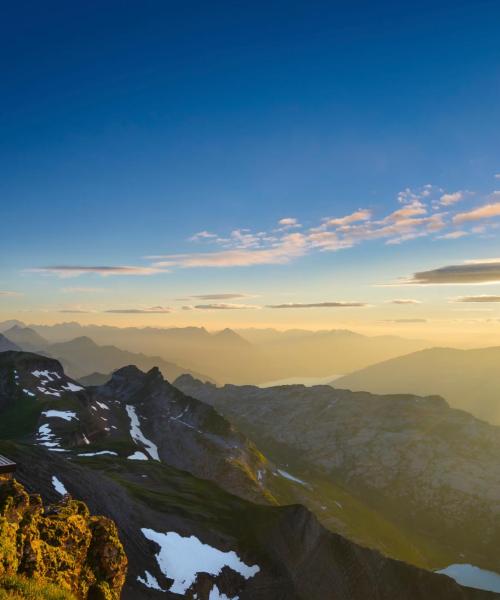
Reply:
x=14, y=587
x=363, y=518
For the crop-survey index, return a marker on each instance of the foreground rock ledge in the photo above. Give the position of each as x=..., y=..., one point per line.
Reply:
x=61, y=544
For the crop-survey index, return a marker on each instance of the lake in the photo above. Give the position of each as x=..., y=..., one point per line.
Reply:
x=307, y=381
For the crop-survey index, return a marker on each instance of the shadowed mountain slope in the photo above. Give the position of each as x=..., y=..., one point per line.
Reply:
x=468, y=379
x=402, y=473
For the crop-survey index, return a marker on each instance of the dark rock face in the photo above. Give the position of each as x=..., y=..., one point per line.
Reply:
x=61, y=544
x=187, y=433
x=428, y=470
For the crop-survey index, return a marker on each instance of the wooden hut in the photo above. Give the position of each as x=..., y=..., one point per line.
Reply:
x=7, y=468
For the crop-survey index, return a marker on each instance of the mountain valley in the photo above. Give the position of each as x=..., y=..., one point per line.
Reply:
x=163, y=465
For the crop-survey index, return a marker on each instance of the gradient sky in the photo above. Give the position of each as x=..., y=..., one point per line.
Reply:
x=252, y=154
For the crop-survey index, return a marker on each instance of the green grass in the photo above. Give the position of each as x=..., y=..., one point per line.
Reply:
x=14, y=587
x=20, y=419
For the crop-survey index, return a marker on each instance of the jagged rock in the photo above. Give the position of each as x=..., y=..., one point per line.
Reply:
x=62, y=544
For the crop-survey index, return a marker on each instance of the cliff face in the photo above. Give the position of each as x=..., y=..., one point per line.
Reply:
x=60, y=544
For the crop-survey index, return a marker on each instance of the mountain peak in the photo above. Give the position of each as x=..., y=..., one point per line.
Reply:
x=83, y=340
x=229, y=336
x=133, y=376
x=128, y=372
x=25, y=337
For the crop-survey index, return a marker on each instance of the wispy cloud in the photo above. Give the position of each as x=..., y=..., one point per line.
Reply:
x=363, y=214
x=319, y=305
x=202, y=235
x=405, y=321
x=290, y=246
x=289, y=223
x=404, y=301
x=453, y=235
x=65, y=271
x=428, y=211
x=481, y=271
x=76, y=311
x=221, y=306
x=481, y=298
x=8, y=293
x=488, y=211
x=153, y=310
x=453, y=198
x=220, y=296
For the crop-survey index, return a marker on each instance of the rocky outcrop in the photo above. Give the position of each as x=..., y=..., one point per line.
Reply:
x=62, y=544
x=186, y=433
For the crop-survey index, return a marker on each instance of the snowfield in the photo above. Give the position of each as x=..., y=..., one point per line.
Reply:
x=100, y=453
x=67, y=415
x=182, y=558
x=150, y=581
x=138, y=436
x=138, y=456
x=59, y=486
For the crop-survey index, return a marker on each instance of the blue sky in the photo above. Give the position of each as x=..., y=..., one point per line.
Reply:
x=128, y=127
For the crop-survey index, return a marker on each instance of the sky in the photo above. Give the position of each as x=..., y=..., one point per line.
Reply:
x=265, y=164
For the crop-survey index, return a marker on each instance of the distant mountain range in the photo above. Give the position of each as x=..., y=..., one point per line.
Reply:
x=159, y=462
x=82, y=356
x=6, y=344
x=405, y=474
x=468, y=379
x=228, y=356
x=26, y=338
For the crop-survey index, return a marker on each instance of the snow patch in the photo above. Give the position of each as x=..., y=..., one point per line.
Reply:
x=48, y=392
x=59, y=486
x=71, y=387
x=182, y=558
x=138, y=456
x=291, y=477
x=100, y=453
x=106, y=407
x=150, y=581
x=46, y=438
x=49, y=375
x=67, y=415
x=137, y=435
x=28, y=393
x=215, y=594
